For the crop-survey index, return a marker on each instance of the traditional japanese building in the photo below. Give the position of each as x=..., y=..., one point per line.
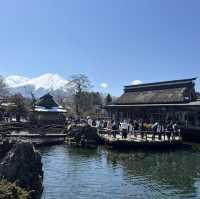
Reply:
x=46, y=110
x=160, y=101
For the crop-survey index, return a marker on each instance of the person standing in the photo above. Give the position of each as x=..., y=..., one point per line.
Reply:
x=97, y=123
x=131, y=129
x=124, y=127
x=89, y=121
x=114, y=129
x=109, y=125
x=159, y=131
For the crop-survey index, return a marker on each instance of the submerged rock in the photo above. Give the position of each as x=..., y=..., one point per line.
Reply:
x=23, y=166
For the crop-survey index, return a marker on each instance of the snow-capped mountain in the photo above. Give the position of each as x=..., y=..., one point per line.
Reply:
x=15, y=80
x=53, y=83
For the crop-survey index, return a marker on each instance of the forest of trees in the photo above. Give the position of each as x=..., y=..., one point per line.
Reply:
x=81, y=99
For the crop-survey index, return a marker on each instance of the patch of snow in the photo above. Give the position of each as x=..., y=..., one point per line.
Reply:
x=58, y=109
x=48, y=81
x=16, y=80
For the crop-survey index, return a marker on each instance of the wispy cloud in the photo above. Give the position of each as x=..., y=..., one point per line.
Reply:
x=136, y=82
x=104, y=85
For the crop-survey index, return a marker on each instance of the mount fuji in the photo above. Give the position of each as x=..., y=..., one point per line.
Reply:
x=41, y=85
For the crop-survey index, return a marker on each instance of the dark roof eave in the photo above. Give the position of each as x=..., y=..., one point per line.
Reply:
x=153, y=103
x=192, y=104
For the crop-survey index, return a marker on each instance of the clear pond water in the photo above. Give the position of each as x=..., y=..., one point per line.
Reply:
x=76, y=173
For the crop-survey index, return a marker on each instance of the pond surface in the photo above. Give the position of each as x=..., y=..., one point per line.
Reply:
x=76, y=173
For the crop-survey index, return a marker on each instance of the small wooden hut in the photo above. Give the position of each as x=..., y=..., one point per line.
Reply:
x=47, y=111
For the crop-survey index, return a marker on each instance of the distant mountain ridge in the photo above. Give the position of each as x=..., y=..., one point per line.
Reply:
x=41, y=85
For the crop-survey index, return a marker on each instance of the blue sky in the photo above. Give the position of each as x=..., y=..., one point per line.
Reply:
x=111, y=41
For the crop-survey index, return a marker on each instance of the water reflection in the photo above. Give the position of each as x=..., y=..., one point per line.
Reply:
x=176, y=170
x=98, y=173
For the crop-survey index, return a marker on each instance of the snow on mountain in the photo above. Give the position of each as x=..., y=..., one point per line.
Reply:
x=48, y=82
x=15, y=80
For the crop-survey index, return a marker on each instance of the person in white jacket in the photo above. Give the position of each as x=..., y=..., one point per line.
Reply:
x=124, y=128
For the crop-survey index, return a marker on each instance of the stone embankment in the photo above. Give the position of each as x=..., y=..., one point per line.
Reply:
x=6, y=128
x=22, y=165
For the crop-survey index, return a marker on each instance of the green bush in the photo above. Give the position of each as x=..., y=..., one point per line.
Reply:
x=11, y=191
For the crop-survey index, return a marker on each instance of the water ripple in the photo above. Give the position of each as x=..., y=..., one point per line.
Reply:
x=74, y=173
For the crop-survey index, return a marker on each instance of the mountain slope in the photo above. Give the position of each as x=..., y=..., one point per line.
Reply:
x=48, y=82
x=15, y=80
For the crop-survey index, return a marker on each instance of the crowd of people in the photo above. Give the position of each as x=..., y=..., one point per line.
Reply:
x=133, y=127
x=5, y=116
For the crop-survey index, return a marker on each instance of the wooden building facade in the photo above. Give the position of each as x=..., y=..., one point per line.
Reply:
x=174, y=100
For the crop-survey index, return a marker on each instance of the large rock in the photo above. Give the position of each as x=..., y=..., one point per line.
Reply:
x=84, y=135
x=23, y=166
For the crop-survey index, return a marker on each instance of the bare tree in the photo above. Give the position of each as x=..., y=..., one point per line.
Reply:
x=3, y=87
x=20, y=108
x=60, y=99
x=108, y=99
x=78, y=84
x=29, y=92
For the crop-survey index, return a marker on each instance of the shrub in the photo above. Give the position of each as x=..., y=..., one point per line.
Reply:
x=11, y=191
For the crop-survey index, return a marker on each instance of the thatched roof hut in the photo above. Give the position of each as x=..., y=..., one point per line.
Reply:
x=175, y=99
x=46, y=110
x=177, y=91
x=46, y=101
x=47, y=104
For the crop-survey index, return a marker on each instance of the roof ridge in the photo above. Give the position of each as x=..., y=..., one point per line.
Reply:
x=161, y=83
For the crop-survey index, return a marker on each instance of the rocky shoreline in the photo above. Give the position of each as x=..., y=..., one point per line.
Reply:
x=30, y=127
x=22, y=165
